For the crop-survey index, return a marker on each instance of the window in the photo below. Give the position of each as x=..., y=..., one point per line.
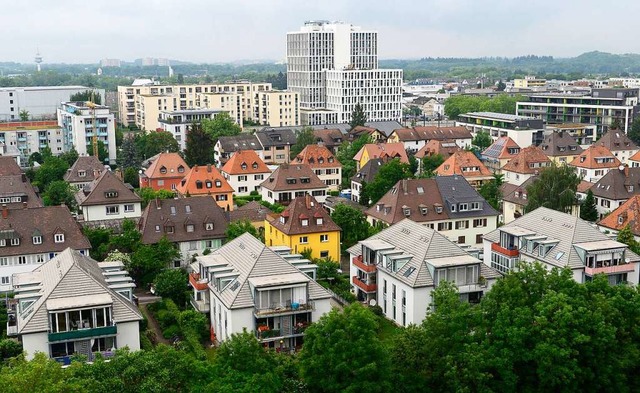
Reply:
x=163, y=170
x=475, y=205
x=463, y=207
x=40, y=258
x=258, y=177
x=479, y=222
x=82, y=173
x=190, y=228
x=157, y=228
x=324, y=254
x=4, y=261
x=461, y=239
x=240, y=178
x=193, y=245
x=208, y=226
x=15, y=241
x=464, y=224
x=169, y=229
x=37, y=240
x=58, y=238
x=112, y=210
x=444, y=226
x=22, y=260
x=129, y=208
x=160, y=182
x=5, y=280
x=218, y=183
x=111, y=194
x=305, y=223
x=324, y=238
x=319, y=221
x=242, y=189
x=304, y=240
x=222, y=197
x=181, y=169
x=479, y=238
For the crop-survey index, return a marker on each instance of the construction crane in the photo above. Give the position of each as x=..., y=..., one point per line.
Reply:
x=94, y=139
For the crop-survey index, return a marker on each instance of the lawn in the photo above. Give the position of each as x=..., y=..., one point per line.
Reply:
x=387, y=329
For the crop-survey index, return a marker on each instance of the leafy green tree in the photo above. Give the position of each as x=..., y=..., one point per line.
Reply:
x=429, y=164
x=128, y=240
x=51, y=170
x=305, y=137
x=634, y=131
x=38, y=375
x=342, y=353
x=85, y=96
x=131, y=176
x=221, y=125
x=388, y=175
x=59, y=192
x=501, y=85
x=626, y=236
x=237, y=228
x=99, y=239
x=155, y=142
x=199, y=147
x=491, y=191
x=345, y=155
x=358, y=117
x=353, y=224
x=615, y=124
x=9, y=349
x=172, y=284
x=151, y=259
x=364, y=198
x=103, y=153
x=555, y=188
x=70, y=156
x=588, y=210
x=148, y=193
x=35, y=157
x=129, y=154
x=482, y=140
x=24, y=115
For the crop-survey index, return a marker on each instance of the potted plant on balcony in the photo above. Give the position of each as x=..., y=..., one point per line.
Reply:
x=482, y=281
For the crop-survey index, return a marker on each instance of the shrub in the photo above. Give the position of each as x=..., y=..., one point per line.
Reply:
x=171, y=331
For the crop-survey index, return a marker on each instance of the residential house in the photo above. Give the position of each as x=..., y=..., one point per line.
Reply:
x=72, y=305
x=445, y=148
x=560, y=240
x=499, y=153
x=165, y=172
x=227, y=145
x=560, y=147
x=331, y=138
x=524, y=130
x=85, y=170
x=447, y=204
x=246, y=285
x=594, y=163
x=207, y=181
x=304, y=224
x=627, y=214
x=16, y=192
x=385, y=151
x=402, y=265
x=614, y=189
x=276, y=144
x=9, y=166
x=193, y=224
x=375, y=135
x=416, y=137
x=323, y=163
x=529, y=162
x=32, y=236
x=366, y=174
x=332, y=202
x=107, y=199
x=290, y=181
x=245, y=171
x=634, y=160
x=465, y=163
x=622, y=147
x=254, y=212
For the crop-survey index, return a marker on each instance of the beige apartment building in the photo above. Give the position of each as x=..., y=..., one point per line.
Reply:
x=141, y=104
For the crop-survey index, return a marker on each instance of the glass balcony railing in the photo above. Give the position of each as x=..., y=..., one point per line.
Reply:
x=83, y=333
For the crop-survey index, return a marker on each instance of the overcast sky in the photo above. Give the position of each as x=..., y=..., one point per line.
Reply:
x=219, y=31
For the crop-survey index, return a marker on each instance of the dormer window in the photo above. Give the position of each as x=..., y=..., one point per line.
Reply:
x=181, y=169
x=37, y=240
x=208, y=226
x=190, y=228
x=291, y=180
x=453, y=208
x=330, y=159
x=475, y=205
x=282, y=220
x=320, y=160
x=15, y=241
x=169, y=229
x=218, y=183
x=157, y=228
x=304, y=222
x=254, y=165
x=163, y=170
x=305, y=180
x=58, y=238
x=198, y=184
x=319, y=221
x=208, y=184
x=82, y=173
x=424, y=211
x=406, y=211
x=187, y=208
x=439, y=209
x=630, y=188
x=3, y=242
x=111, y=194
x=173, y=210
x=243, y=166
x=583, y=158
x=620, y=219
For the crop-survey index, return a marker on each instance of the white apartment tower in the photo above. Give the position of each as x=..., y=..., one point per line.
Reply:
x=334, y=66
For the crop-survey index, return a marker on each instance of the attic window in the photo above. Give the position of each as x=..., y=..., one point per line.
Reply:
x=173, y=210
x=218, y=183
x=282, y=219
x=82, y=173
x=630, y=188
x=463, y=207
x=439, y=209
x=243, y=166
x=208, y=226
x=190, y=228
x=305, y=180
x=453, y=208
x=620, y=219
x=291, y=180
x=304, y=222
x=208, y=184
x=37, y=240
x=330, y=159
x=181, y=169
x=157, y=228
x=420, y=190
x=187, y=208
x=406, y=211
x=199, y=185
x=320, y=160
x=424, y=211
x=169, y=229
x=319, y=221
x=254, y=165
x=583, y=158
x=111, y=194
x=58, y=238
x=163, y=170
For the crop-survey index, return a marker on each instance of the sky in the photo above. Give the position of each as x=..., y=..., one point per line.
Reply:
x=212, y=31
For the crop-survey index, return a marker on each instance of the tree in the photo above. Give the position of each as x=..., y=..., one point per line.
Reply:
x=24, y=115
x=99, y=240
x=626, y=236
x=148, y=193
x=237, y=228
x=172, y=284
x=588, y=210
x=491, y=191
x=59, y=192
x=129, y=154
x=501, y=85
x=358, y=117
x=345, y=155
x=555, y=188
x=199, y=147
x=130, y=176
x=388, y=175
x=35, y=157
x=70, y=156
x=9, y=349
x=615, y=124
x=429, y=164
x=156, y=142
x=353, y=223
x=87, y=95
x=151, y=259
x=103, y=153
x=634, y=131
x=305, y=137
x=342, y=353
x=38, y=375
x=221, y=125
x=51, y=170
x=482, y=140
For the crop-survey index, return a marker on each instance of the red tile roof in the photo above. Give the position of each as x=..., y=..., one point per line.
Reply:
x=466, y=164
x=444, y=147
x=626, y=214
x=167, y=165
x=384, y=151
x=317, y=156
x=589, y=158
x=203, y=180
x=245, y=161
x=530, y=160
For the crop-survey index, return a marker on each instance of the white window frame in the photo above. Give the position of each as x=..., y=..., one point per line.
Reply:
x=58, y=238
x=37, y=240
x=324, y=238
x=112, y=210
x=130, y=208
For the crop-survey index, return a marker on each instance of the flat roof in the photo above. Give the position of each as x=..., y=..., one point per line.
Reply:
x=517, y=231
x=78, y=301
x=376, y=244
x=279, y=279
x=453, y=261
x=600, y=245
x=498, y=116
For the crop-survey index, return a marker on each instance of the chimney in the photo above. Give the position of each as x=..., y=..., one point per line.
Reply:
x=96, y=173
x=24, y=178
x=626, y=170
x=404, y=186
x=24, y=205
x=5, y=211
x=209, y=168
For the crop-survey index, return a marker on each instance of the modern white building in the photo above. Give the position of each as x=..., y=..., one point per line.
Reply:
x=73, y=305
x=178, y=123
x=76, y=120
x=20, y=139
x=40, y=101
x=334, y=66
x=524, y=130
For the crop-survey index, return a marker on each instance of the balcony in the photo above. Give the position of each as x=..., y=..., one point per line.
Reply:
x=509, y=252
x=83, y=333
x=357, y=262
x=197, y=283
x=199, y=305
x=289, y=308
x=363, y=286
x=625, y=268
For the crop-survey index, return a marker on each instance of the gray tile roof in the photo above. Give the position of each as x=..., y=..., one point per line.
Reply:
x=368, y=172
x=95, y=192
x=14, y=186
x=276, y=137
x=616, y=140
x=70, y=274
x=618, y=184
x=243, y=141
x=560, y=144
x=91, y=167
x=455, y=189
x=9, y=166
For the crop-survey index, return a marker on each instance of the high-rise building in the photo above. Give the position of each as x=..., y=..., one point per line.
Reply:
x=334, y=66
x=76, y=120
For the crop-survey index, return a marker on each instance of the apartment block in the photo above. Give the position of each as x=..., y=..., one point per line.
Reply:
x=523, y=130
x=178, y=123
x=76, y=120
x=20, y=139
x=40, y=101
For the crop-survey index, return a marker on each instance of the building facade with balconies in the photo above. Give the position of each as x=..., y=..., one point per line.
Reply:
x=399, y=267
x=523, y=130
x=559, y=240
x=246, y=285
x=178, y=123
x=20, y=139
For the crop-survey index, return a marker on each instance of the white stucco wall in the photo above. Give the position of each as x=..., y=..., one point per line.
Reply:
x=128, y=335
x=99, y=212
x=35, y=342
x=321, y=307
x=252, y=183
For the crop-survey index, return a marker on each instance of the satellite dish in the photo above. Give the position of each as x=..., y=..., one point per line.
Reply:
x=372, y=302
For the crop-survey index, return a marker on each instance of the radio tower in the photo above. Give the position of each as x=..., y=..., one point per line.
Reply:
x=38, y=60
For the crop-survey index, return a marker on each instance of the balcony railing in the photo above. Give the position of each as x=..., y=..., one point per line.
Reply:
x=628, y=267
x=509, y=252
x=199, y=305
x=197, y=283
x=357, y=261
x=292, y=307
x=362, y=285
x=83, y=333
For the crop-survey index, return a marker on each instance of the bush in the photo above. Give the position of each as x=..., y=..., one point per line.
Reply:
x=171, y=331
x=166, y=318
x=334, y=193
x=377, y=310
x=145, y=342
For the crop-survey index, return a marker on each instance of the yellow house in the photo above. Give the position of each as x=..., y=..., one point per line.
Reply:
x=560, y=147
x=386, y=151
x=304, y=224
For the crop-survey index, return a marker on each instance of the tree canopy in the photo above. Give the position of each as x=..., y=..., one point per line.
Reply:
x=491, y=191
x=388, y=175
x=221, y=125
x=353, y=223
x=345, y=155
x=588, y=210
x=152, y=143
x=460, y=104
x=237, y=228
x=554, y=188
x=358, y=116
x=199, y=147
x=482, y=140
x=305, y=137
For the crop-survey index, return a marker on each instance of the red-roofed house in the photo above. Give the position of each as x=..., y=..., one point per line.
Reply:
x=323, y=163
x=244, y=171
x=207, y=181
x=595, y=162
x=165, y=172
x=385, y=151
x=467, y=165
x=527, y=163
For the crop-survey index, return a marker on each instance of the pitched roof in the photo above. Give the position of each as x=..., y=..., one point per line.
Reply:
x=252, y=211
x=503, y=148
x=276, y=137
x=421, y=199
x=161, y=214
x=368, y=172
x=250, y=258
x=423, y=246
x=245, y=162
x=444, y=147
x=527, y=161
x=434, y=132
x=517, y=194
x=9, y=166
x=303, y=208
x=386, y=151
x=616, y=140
x=560, y=144
x=466, y=164
x=107, y=183
x=18, y=186
x=70, y=276
x=330, y=137
x=317, y=156
x=167, y=165
x=89, y=165
x=203, y=180
x=590, y=158
x=242, y=141
x=293, y=177
x=626, y=214
x=568, y=230
x=618, y=184
x=45, y=222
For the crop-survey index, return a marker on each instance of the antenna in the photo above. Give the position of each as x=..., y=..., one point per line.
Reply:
x=38, y=59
